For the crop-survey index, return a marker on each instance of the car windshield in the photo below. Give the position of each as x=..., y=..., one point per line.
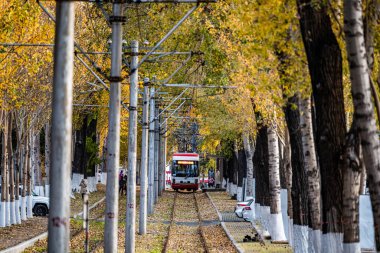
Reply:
x=185, y=169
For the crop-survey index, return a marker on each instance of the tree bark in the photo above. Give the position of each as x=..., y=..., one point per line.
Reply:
x=11, y=170
x=351, y=191
x=47, y=151
x=363, y=108
x=249, y=150
x=313, y=176
x=299, y=194
x=277, y=226
x=325, y=67
x=4, y=172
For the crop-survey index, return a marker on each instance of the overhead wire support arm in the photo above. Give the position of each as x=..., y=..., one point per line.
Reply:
x=75, y=43
x=168, y=34
x=170, y=104
x=172, y=113
x=185, y=85
x=171, y=1
x=92, y=72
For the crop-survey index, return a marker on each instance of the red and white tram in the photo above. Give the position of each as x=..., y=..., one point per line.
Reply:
x=185, y=171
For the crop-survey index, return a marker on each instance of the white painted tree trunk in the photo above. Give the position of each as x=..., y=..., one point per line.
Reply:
x=363, y=107
x=276, y=224
x=249, y=150
x=313, y=175
x=300, y=238
x=23, y=208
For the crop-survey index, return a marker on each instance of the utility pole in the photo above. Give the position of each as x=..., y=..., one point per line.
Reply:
x=163, y=157
x=156, y=150
x=160, y=172
x=132, y=153
x=59, y=217
x=144, y=160
x=151, y=153
x=113, y=140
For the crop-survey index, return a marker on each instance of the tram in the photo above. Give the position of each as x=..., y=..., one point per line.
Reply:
x=185, y=171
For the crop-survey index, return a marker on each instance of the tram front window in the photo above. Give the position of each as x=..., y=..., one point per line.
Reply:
x=185, y=169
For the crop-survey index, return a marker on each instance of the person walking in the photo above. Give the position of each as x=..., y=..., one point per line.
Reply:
x=83, y=187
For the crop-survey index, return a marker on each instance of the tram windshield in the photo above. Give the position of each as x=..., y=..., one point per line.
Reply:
x=185, y=169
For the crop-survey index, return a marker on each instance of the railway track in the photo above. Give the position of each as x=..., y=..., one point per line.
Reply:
x=185, y=230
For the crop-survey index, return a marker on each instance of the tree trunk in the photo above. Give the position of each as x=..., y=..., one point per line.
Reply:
x=325, y=67
x=289, y=175
x=363, y=108
x=277, y=226
x=249, y=150
x=24, y=179
x=351, y=190
x=242, y=168
x=11, y=171
x=47, y=157
x=260, y=161
x=4, y=173
x=29, y=168
x=299, y=194
x=312, y=172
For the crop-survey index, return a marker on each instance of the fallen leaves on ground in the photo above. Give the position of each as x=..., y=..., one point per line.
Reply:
x=216, y=239
x=223, y=201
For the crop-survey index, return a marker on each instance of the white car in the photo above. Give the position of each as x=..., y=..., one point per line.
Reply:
x=40, y=205
x=240, y=205
x=248, y=211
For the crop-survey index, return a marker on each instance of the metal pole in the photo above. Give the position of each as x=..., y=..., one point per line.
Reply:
x=113, y=139
x=144, y=160
x=132, y=153
x=151, y=153
x=85, y=221
x=60, y=182
x=156, y=147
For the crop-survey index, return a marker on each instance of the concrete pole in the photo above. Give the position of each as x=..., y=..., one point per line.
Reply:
x=132, y=153
x=156, y=151
x=113, y=139
x=160, y=172
x=60, y=180
x=144, y=160
x=151, y=153
x=164, y=150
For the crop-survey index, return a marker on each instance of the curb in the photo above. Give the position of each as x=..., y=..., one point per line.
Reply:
x=22, y=246
x=237, y=247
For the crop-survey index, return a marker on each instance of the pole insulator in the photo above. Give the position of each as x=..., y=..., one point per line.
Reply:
x=118, y=19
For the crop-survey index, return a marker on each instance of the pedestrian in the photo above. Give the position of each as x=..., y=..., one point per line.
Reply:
x=217, y=179
x=121, y=182
x=83, y=187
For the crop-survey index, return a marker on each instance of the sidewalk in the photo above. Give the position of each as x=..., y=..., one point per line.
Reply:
x=237, y=228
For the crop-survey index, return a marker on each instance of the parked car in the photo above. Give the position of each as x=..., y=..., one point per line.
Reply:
x=40, y=205
x=248, y=212
x=240, y=205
